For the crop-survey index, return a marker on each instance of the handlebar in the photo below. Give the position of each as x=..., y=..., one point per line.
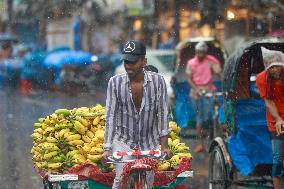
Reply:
x=210, y=94
x=117, y=157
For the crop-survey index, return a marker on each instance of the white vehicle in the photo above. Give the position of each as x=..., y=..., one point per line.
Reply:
x=164, y=61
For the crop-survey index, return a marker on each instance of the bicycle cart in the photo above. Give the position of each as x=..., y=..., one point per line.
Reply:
x=87, y=176
x=244, y=156
x=183, y=111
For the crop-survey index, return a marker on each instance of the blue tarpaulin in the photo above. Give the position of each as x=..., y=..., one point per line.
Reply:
x=33, y=68
x=250, y=145
x=183, y=107
x=61, y=58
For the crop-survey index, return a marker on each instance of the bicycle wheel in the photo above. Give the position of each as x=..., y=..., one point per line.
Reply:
x=137, y=180
x=218, y=177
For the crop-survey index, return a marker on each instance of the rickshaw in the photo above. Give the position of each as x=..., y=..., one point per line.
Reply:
x=244, y=156
x=185, y=50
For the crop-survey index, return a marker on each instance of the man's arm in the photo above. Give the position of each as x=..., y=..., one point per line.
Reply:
x=274, y=113
x=215, y=64
x=163, y=123
x=189, y=76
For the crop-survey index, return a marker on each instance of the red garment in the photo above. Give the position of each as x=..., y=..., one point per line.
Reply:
x=277, y=97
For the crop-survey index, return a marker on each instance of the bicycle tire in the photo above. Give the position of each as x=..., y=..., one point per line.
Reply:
x=217, y=170
x=137, y=180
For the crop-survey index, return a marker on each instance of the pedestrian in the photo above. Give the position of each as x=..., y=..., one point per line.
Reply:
x=136, y=109
x=270, y=83
x=200, y=70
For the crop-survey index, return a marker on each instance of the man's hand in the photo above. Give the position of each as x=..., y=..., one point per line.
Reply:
x=168, y=152
x=105, y=155
x=278, y=126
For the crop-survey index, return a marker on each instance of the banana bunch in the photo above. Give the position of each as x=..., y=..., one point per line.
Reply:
x=175, y=130
x=178, y=149
x=67, y=138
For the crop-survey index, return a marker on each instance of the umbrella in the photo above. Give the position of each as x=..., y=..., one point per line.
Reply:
x=61, y=58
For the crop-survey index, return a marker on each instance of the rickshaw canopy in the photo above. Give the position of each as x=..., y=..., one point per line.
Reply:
x=249, y=54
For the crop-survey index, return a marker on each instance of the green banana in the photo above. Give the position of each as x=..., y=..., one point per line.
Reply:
x=64, y=112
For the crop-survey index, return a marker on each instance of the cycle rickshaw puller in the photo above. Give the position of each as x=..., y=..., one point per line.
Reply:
x=136, y=106
x=244, y=156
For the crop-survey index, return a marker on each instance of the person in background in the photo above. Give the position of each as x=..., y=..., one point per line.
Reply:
x=136, y=109
x=270, y=83
x=200, y=70
x=6, y=51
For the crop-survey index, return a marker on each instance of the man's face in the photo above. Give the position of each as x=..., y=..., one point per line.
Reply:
x=276, y=72
x=135, y=68
x=200, y=55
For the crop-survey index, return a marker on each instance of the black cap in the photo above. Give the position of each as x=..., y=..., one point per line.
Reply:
x=133, y=50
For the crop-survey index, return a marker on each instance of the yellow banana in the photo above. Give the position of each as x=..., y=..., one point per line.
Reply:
x=86, y=148
x=90, y=134
x=96, y=121
x=38, y=130
x=79, y=156
x=99, y=133
x=173, y=135
x=94, y=157
x=163, y=166
x=79, y=127
x=184, y=155
x=49, y=129
x=37, y=125
x=67, y=134
x=76, y=142
x=100, y=145
x=175, y=142
x=36, y=136
x=182, y=149
x=79, y=160
x=44, y=126
x=50, y=155
x=96, y=150
x=86, y=138
x=54, y=165
x=40, y=165
x=102, y=123
x=63, y=131
x=94, y=129
x=103, y=117
x=47, y=145
x=40, y=120
x=175, y=160
x=51, y=139
x=73, y=137
x=56, y=135
x=83, y=121
x=70, y=154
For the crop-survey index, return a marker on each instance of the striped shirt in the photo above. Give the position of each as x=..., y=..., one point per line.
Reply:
x=137, y=129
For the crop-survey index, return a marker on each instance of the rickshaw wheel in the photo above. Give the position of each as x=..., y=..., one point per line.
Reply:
x=218, y=177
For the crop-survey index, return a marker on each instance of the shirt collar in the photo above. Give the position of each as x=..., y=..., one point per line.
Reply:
x=147, y=77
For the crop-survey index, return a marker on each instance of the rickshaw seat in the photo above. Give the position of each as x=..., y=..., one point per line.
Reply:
x=250, y=145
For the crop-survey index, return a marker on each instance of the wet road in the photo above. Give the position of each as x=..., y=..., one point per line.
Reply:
x=17, y=115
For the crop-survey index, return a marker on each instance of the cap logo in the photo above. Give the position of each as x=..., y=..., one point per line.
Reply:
x=129, y=47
